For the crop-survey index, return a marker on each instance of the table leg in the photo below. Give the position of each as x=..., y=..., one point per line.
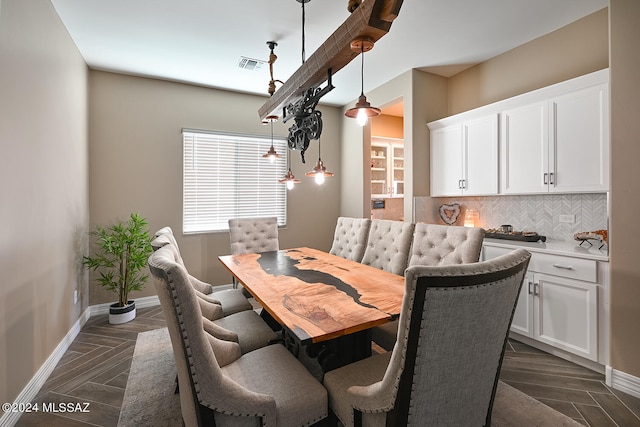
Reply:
x=344, y=350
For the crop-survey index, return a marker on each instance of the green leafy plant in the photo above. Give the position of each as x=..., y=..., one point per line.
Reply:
x=121, y=252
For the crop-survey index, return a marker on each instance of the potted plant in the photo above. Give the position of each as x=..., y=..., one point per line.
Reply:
x=121, y=252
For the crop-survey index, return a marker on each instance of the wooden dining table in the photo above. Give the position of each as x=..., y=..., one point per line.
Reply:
x=318, y=297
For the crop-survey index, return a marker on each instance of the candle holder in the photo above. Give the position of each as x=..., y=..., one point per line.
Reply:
x=471, y=218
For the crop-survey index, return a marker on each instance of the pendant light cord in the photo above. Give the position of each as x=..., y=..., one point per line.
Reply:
x=362, y=70
x=303, y=38
x=271, y=122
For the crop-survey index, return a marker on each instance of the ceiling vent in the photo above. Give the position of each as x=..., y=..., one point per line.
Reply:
x=250, y=64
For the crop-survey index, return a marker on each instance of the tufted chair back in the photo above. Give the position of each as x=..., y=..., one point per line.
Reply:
x=388, y=245
x=218, y=385
x=350, y=238
x=253, y=235
x=163, y=237
x=193, y=348
x=451, y=340
x=435, y=244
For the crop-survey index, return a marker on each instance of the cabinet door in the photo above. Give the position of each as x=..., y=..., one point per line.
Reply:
x=446, y=161
x=380, y=186
x=397, y=169
x=566, y=314
x=480, y=156
x=524, y=149
x=579, y=157
x=523, y=316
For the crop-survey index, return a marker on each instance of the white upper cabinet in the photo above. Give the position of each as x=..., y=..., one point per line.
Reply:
x=480, y=156
x=551, y=140
x=579, y=136
x=525, y=149
x=559, y=146
x=464, y=158
x=446, y=161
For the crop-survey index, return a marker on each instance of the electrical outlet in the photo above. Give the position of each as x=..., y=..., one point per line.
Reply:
x=75, y=296
x=569, y=219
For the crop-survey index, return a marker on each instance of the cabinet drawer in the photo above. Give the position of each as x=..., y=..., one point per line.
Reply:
x=557, y=265
x=572, y=268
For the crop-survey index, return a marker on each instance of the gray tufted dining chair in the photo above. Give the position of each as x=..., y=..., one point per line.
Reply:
x=388, y=245
x=350, y=238
x=253, y=235
x=231, y=300
x=244, y=327
x=433, y=245
x=219, y=385
x=454, y=326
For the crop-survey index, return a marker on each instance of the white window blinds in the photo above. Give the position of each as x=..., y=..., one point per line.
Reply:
x=225, y=176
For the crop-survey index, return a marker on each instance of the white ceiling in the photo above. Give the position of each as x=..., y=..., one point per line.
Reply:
x=201, y=41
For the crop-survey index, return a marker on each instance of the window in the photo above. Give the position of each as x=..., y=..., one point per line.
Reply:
x=225, y=176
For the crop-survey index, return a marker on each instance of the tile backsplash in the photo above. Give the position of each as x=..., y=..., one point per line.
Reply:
x=539, y=213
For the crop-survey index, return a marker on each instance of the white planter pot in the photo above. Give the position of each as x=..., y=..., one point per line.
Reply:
x=124, y=314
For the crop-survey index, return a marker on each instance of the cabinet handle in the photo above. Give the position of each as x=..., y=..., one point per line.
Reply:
x=564, y=267
x=464, y=184
x=544, y=179
x=530, y=291
x=535, y=290
x=551, y=178
x=460, y=184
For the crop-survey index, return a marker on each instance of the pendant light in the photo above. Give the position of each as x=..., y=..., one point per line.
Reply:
x=289, y=179
x=319, y=171
x=272, y=155
x=363, y=109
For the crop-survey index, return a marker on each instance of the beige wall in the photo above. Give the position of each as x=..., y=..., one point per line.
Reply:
x=387, y=126
x=43, y=191
x=571, y=51
x=625, y=179
x=577, y=49
x=424, y=98
x=136, y=164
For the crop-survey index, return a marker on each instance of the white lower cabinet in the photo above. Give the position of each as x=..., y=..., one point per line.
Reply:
x=560, y=312
x=523, y=316
x=559, y=303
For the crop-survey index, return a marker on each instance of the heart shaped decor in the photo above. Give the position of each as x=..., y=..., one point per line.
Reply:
x=450, y=213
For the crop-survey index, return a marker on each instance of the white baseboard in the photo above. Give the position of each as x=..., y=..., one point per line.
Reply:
x=140, y=303
x=622, y=381
x=30, y=391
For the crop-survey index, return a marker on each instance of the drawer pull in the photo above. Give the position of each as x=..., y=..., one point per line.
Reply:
x=564, y=267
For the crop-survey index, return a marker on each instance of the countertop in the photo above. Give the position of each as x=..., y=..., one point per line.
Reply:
x=557, y=247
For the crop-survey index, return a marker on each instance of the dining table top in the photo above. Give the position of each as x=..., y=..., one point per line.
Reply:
x=318, y=296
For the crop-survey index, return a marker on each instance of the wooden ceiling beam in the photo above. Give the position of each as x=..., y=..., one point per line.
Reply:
x=371, y=19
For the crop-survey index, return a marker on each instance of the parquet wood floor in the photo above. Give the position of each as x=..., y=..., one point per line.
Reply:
x=96, y=366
